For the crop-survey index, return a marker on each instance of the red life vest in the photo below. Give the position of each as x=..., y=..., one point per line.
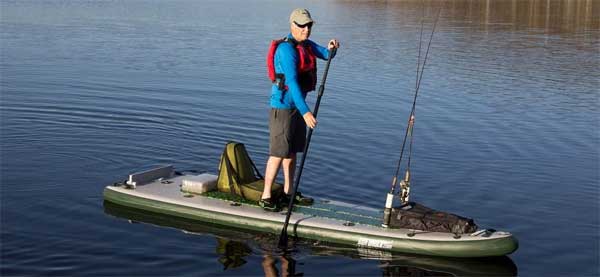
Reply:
x=307, y=66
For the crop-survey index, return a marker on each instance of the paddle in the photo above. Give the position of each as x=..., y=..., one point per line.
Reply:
x=283, y=238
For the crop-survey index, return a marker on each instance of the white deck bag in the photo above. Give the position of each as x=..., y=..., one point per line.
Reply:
x=199, y=183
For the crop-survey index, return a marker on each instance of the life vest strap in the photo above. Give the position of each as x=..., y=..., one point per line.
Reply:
x=307, y=66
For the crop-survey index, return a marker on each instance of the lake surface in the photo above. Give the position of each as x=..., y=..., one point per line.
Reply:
x=507, y=129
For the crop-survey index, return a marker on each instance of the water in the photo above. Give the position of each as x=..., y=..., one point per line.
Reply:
x=507, y=128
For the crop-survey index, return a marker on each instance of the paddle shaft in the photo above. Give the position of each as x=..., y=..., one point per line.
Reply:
x=283, y=237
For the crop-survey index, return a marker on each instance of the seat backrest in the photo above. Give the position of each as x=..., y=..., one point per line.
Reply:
x=235, y=169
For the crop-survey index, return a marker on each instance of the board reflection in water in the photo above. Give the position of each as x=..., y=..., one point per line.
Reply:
x=234, y=247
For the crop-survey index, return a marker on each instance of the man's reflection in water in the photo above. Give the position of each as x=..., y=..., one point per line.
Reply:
x=288, y=266
x=232, y=254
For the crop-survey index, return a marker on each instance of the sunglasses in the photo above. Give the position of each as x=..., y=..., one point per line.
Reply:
x=301, y=26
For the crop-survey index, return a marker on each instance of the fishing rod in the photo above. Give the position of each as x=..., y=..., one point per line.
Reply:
x=405, y=182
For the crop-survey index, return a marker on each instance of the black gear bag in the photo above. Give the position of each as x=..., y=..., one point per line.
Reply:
x=418, y=217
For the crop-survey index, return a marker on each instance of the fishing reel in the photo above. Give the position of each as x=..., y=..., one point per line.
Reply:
x=405, y=188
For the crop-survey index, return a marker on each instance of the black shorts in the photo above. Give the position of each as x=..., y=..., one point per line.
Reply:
x=287, y=132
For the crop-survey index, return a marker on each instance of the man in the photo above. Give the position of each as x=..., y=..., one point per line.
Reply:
x=294, y=70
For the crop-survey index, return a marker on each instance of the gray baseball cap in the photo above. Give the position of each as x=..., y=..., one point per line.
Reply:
x=300, y=16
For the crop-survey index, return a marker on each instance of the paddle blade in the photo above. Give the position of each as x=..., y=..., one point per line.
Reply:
x=283, y=239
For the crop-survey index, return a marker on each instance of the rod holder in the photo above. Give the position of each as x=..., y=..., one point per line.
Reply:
x=387, y=212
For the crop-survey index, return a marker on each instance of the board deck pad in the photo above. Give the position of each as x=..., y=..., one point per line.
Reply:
x=320, y=208
x=329, y=209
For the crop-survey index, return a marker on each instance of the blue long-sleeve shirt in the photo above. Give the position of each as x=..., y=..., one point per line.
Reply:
x=286, y=62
